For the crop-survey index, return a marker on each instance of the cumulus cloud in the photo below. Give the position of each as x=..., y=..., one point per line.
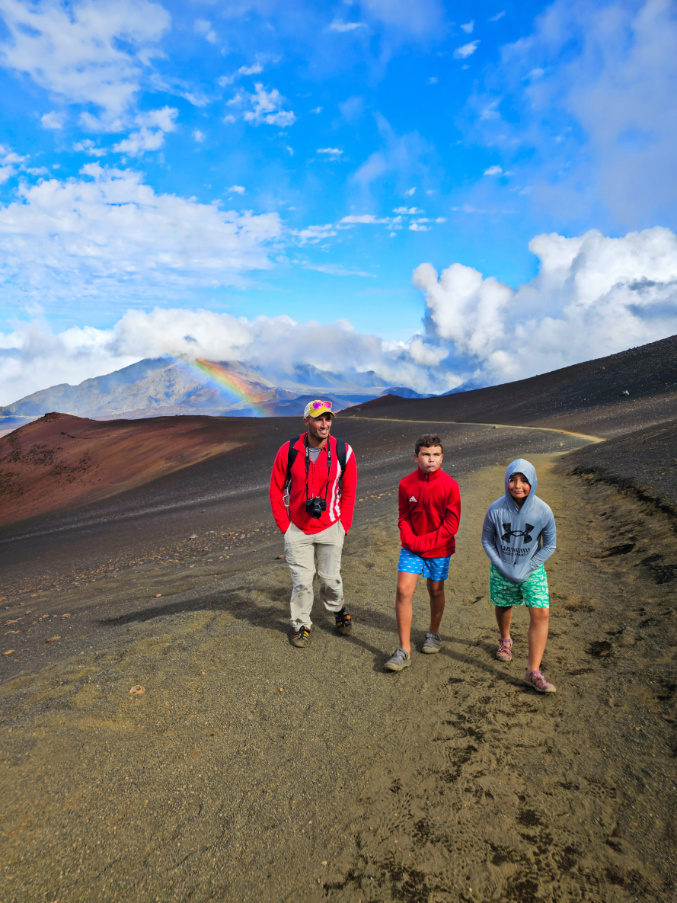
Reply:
x=151, y=135
x=593, y=296
x=34, y=357
x=333, y=152
x=89, y=147
x=466, y=50
x=53, y=121
x=87, y=52
x=266, y=107
x=107, y=226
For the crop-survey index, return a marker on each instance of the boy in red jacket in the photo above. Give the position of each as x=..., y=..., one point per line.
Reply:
x=430, y=510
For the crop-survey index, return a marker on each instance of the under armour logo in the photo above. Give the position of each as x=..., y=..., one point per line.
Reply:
x=525, y=533
x=413, y=498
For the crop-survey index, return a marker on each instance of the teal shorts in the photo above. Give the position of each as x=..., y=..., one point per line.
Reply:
x=533, y=592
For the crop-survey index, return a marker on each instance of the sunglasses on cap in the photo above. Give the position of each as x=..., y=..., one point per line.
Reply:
x=316, y=405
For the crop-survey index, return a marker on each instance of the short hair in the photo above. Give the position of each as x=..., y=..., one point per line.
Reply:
x=426, y=441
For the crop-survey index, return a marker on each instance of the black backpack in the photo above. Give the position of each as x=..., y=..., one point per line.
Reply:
x=341, y=454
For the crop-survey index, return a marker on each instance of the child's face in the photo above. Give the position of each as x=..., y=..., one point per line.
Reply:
x=429, y=458
x=518, y=488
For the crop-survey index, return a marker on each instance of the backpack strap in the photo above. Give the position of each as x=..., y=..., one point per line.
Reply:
x=341, y=454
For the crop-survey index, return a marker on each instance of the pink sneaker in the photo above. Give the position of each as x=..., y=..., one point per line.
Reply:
x=536, y=680
x=504, y=651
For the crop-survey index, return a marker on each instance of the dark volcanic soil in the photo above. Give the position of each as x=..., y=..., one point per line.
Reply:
x=160, y=739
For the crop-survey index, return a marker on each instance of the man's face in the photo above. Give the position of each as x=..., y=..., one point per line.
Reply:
x=319, y=427
x=518, y=488
x=429, y=458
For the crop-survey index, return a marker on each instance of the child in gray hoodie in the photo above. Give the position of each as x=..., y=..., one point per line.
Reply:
x=518, y=536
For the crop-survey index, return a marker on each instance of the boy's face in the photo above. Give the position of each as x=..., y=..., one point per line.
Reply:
x=518, y=488
x=429, y=458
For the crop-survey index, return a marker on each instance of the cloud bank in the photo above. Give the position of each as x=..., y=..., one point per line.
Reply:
x=84, y=235
x=593, y=296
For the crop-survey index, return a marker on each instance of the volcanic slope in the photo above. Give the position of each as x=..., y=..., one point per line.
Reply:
x=605, y=397
x=61, y=461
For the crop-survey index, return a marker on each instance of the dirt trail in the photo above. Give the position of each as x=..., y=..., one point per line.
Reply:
x=250, y=770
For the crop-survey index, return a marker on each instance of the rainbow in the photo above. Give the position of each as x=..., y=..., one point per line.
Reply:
x=232, y=384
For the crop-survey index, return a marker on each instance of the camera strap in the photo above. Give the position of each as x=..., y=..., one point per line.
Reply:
x=326, y=488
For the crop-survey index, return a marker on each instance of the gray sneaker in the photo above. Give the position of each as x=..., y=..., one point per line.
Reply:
x=398, y=660
x=432, y=643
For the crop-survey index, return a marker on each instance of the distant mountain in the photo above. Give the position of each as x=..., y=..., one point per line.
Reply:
x=165, y=387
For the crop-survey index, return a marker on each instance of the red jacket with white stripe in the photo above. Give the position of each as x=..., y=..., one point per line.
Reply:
x=430, y=511
x=340, y=505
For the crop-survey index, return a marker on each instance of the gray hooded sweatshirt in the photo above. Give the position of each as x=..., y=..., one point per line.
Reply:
x=518, y=540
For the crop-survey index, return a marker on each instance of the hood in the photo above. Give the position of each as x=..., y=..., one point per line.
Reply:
x=520, y=465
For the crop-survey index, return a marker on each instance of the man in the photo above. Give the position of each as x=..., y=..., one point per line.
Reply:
x=313, y=502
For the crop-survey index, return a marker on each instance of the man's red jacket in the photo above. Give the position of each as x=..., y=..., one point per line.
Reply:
x=340, y=505
x=430, y=511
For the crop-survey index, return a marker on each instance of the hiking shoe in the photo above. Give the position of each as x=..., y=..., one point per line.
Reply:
x=344, y=623
x=536, y=680
x=398, y=660
x=504, y=651
x=301, y=637
x=432, y=642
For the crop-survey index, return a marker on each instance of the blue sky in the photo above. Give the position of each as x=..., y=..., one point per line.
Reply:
x=481, y=191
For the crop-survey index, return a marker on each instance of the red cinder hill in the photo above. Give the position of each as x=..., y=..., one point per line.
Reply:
x=61, y=460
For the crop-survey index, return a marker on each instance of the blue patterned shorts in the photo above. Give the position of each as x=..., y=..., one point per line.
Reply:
x=433, y=568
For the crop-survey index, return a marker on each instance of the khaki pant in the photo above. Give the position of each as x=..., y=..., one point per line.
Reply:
x=308, y=554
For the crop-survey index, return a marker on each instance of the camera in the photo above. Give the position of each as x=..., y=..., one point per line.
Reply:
x=315, y=507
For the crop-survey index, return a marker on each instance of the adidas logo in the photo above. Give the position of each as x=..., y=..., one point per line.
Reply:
x=413, y=498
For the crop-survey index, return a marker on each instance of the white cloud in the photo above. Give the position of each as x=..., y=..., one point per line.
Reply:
x=53, y=120
x=461, y=53
x=336, y=269
x=315, y=234
x=317, y=110
x=88, y=147
x=408, y=211
x=363, y=219
x=403, y=157
x=418, y=227
x=237, y=189
x=593, y=296
x=493, y=171
x=254, y=69
x=151, y=136
x=333, y=152
x=88, y=52
x=204, y=28
x=199, y=136
x=468, y=27
x=613, y=100
x=266, y=108
x=107, y=234
x=342, y=27
x=497, y=16
x=422, y=19
x=410, y=192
